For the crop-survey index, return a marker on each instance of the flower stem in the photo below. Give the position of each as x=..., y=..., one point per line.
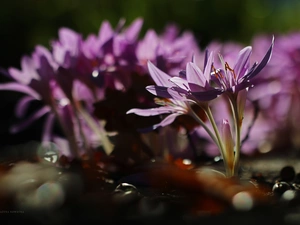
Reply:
x=237, y=124
x=68, y=132
x=229, y=170
x=107, y=145
x=201, y=122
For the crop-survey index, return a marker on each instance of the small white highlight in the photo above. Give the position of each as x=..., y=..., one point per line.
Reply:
x=288, y=195
x=95, y=73
x=187, y=162
x=242, y=201
x=64, y=102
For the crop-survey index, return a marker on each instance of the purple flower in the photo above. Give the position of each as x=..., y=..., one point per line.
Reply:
x=192, y=85
x=277, y=92
x=169, y=51
x=171, y=106
x=37, y=79
x=110, y=57
x=234, y=79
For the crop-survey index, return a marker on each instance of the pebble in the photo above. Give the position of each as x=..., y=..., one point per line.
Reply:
x=287, y=173
x=280, y=187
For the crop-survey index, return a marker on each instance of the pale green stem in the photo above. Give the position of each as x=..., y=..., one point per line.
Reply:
x=107, y=145
x=76, y=108
x=228, y=170
x=202, y=123
x=70, y=136
x=237, y=124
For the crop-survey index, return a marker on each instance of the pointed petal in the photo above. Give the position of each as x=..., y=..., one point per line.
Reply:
x=159, y=77
x=181, y=83
x=132, y=32
x=159, y=91
x=241, y=102
x=105, y=32
x=263, y=62
x=19, y=127
x=207, y=67
x=151, y=111
x=19, y=88
x=146, y=47
x=243, y=61
x=22, y=106
x=166, y=121
x=194, y=74
x=228, y=143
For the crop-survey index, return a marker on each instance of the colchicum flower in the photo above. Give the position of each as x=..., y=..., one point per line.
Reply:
x=193, y=86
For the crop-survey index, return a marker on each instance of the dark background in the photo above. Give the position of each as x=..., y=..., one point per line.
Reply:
x=26, y=23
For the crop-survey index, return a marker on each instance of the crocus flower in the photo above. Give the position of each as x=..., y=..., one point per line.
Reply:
x=110, y=56
x=237, y=78
x=169, y=51
x=192, y=85
x=277, y=92
x=170, y=106
x=227, y=139
x=36, y=79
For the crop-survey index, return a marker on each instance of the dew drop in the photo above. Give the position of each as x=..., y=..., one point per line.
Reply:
x=48, y=153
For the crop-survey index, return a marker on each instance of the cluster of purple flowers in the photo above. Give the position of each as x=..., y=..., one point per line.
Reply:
x=77, y=78
x=76, y=72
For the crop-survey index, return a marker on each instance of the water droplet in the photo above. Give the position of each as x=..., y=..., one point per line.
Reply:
x=125, y=194
x=217, y=159
x=126, y=187
x=48, y=152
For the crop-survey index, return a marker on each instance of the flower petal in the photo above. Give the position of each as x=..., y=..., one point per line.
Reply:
x=159, y=77
x=19, y=127
x=207, y=68
x=181, y=83
x=105, y=32
x=151, y=111
x=13, y=86
x=228, y=143
x=243, y=62
x=194, y=74
x=159, y=91
x=262, y=64
x=207, y=95
x=22, y=106
x=132, y=32
x=166, y=121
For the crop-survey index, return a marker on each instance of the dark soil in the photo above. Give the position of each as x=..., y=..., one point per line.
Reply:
x=162, y=193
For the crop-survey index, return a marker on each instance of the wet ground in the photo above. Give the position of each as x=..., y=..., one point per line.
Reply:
x=266, y=192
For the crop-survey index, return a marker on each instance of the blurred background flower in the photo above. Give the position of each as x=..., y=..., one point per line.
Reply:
x=25, y=24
